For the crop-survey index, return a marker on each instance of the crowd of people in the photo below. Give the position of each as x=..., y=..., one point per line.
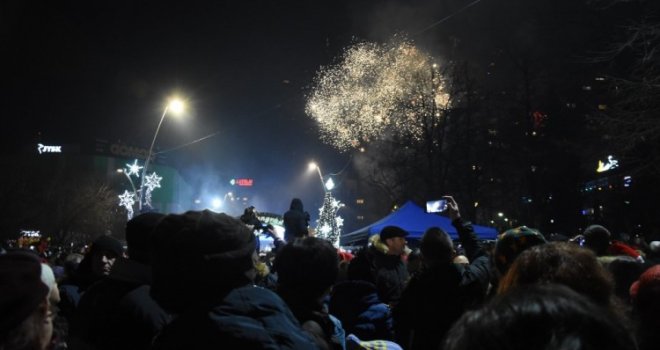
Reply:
x=197, y=281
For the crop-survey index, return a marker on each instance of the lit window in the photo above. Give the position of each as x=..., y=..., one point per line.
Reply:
x=360, y=217
x=359, y=201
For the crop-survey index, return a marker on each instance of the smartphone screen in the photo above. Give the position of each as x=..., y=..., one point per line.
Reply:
x=436, y=206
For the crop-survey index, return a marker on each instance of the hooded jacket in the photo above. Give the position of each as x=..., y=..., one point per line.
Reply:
x=249, y=317
x=361, y=312
x=295, y=221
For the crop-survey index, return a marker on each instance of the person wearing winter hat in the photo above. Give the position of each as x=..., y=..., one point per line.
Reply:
x=99, y=260
x=25, y=318
x=203, y=267
x=645, y=294
x=599, y=240
x=386, y=252
x=95, y=266
x=118, y=312
x=511, y=243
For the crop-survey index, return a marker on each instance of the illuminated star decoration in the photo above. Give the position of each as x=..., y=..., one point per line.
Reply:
x=127, y=199
x=151, y=182
x=133, y=169
x=340, y=221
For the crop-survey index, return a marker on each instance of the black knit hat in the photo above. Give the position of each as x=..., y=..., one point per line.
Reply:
x=392, y=231
x=21, y=288
x=197, y=256
x=107, y=244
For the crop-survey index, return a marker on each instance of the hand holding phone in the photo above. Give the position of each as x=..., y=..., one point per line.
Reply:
x=436, y=206
x=452, y=208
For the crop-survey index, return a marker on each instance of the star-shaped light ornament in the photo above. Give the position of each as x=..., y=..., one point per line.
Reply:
x=152, y=181
x=127, y=199
x=133, y=169
x=325, y=229
x=340, y=221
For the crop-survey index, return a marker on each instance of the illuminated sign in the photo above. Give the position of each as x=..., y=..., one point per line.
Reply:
x=130, y=152
x=627, y=181
x=242, y=182
x=48, y=149
x=30, y=233
x=611, y=164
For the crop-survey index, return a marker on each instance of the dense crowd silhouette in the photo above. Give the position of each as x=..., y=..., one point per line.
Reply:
x=198, y=280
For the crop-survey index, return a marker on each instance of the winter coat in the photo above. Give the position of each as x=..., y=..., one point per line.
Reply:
x=118, y=312
x=295, y=221
x=248, y=317
x=361, y=312
x=313, y=315
x=390, y=273
x=439, y=294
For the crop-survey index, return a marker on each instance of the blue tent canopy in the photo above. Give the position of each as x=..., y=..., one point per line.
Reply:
x=416, y=221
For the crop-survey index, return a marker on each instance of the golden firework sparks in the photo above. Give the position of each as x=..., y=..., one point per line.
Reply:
x=376, y=90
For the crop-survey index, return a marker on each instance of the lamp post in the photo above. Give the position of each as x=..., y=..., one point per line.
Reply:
x=327, y=185
x=313, y=166
x=121, y=171
x=176, y=105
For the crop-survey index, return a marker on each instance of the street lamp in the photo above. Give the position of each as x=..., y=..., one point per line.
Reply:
x=121, y=171
x=327, y=186
x=176, y=106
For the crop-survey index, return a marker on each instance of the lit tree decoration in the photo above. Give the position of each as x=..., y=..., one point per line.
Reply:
x=133, y=169
x=127, y=200
x=150, y=182
x=377, y=90
x=329, y=224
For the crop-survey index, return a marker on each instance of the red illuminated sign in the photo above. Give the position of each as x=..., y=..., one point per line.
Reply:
x=244, y=182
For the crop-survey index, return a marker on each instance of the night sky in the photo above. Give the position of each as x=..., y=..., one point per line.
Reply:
x=74, y=71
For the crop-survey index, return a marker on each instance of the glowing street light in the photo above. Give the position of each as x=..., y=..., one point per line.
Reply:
x=327, y=185
x=216, y=203
x=177, y=107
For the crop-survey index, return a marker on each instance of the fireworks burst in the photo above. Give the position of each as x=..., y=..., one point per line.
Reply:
x=375, y=90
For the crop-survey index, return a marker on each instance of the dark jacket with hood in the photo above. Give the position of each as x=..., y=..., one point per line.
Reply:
x=295, y=221
x=390, y=272
x=361, y=312
x=248, y=317
x=440, y=293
